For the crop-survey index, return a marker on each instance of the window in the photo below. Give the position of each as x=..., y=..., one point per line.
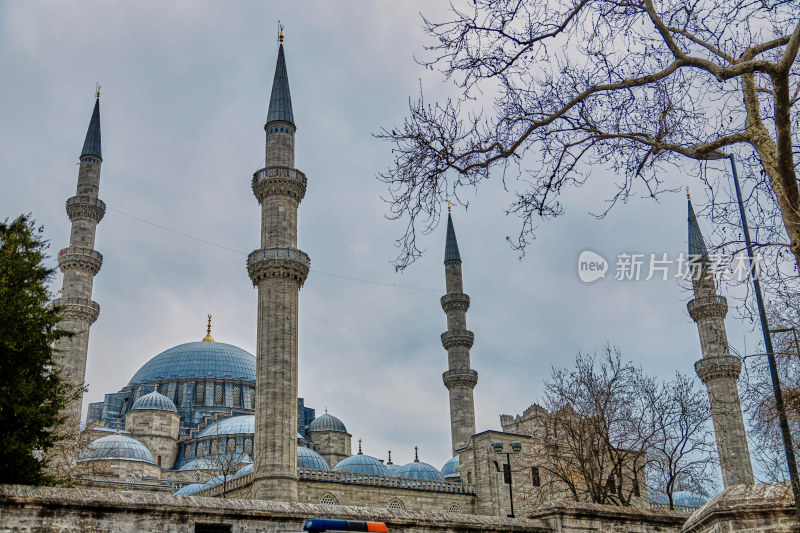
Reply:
x=214, y=447
x=200, y=394
x=536, y=479
x=218, y=394
x=612, y=484
x=179, y=397
x=231, y=445
x=469, y=477
x=454, y=509
x=328, y=500
x=129, y=479
x=252, y=398
x=248, y=445
x=163, y=389
x=396, y=505
x=237, y=396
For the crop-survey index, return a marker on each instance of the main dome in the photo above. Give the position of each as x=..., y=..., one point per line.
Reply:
x=198, y=360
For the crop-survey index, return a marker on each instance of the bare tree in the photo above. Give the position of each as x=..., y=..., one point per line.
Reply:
x=630, y=85
x=682, y=453
x=600, y=429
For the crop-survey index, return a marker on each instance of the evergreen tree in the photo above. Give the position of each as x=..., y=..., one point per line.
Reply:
x=32, y=392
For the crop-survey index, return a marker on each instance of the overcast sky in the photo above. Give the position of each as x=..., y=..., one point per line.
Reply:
x=185, y=88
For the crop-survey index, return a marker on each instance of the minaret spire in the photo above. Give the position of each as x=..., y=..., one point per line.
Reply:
x=459, y=379
x=80, y=262
x=718, y=369
x=277, y=269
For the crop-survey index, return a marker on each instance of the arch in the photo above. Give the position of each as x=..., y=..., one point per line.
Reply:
x=454, y=508
x=396, y=505
x=328, y=499
x=130, y=479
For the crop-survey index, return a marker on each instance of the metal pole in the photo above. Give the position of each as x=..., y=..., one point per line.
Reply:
x=773, y=370
x=510, y=493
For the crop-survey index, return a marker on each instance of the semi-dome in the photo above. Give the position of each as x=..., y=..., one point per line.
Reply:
x=117, y=447
x=362, y=464
x=155, y=401
x=419, y=470
x=327, y=422
x=198, y=360
x=452, y=469
x=308, y=458
x=235, y=425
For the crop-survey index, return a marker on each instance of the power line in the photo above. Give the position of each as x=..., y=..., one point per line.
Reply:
x=210, y=243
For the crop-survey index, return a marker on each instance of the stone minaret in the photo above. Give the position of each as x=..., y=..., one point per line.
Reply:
x=80, y=262
x=278, y=269
x=460, y=379
x=718, y=369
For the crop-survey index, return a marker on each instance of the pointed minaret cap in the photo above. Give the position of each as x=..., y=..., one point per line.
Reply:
x=416, y=454
x=389, y=462
x=697, y=245
x=359, y=448
x=451, y=253
x=91, y=146
x=280, y=102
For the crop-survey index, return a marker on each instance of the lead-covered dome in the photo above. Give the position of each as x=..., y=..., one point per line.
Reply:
x=235, y=425
x=327, y=422
x=362, y=464
x=452, y=469
x=198, y=360
x=308, y=458
x=419, y=470
x=154, y=401
x=117, y=447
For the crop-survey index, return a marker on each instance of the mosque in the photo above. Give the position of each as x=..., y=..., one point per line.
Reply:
x=210, y=419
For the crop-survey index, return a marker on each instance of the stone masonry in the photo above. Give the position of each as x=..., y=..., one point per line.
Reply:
x=80, y=262
x=278, y=269
x=718, y=369
x=459, y=379
x=158, y=430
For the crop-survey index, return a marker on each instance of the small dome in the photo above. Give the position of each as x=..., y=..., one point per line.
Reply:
x=188, y=490
x=419, y=470
x=201, y=463
x=117, y=447
x=452, y=469
x=362, y=464
x=327, y=422
x=308, y=458
x=155, y=401
x=235, y=425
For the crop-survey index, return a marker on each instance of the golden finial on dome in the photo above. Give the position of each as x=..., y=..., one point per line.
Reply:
x=280, y=35
x=448, y=208
x=98, y=89
x=688, y=196
x=208, y=337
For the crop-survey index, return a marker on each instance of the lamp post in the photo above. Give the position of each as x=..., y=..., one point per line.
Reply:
x=773, y=369
x=516, y=446
x=783, y=328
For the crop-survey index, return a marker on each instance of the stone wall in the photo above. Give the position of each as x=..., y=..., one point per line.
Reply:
x=574, y=517
x=158, y=430
x=43, y=510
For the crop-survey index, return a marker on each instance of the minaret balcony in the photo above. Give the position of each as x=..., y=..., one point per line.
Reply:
x=77, y=309
x=80, y=258
x=455, y=301
x=718, y=367
x=278, y=262
x=86, y=207
x=277, y=180
x=459, y=337
x=708, y=306
x=460, y=378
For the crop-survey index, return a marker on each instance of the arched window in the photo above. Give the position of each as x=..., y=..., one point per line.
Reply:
x=248, y=445
x=218, y=394
x=396, y=505
x=129, y=479
x=214, y=447
x=179, y=395
x=231, y=445
x=454, y=509
x=252, y=398
x=328, y=500
x=237, y=396
x=200, y=394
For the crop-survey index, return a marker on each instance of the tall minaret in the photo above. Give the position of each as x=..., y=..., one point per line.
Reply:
x=80, y=262
x=278, y=269
x=460, y=379
x=718, y=369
